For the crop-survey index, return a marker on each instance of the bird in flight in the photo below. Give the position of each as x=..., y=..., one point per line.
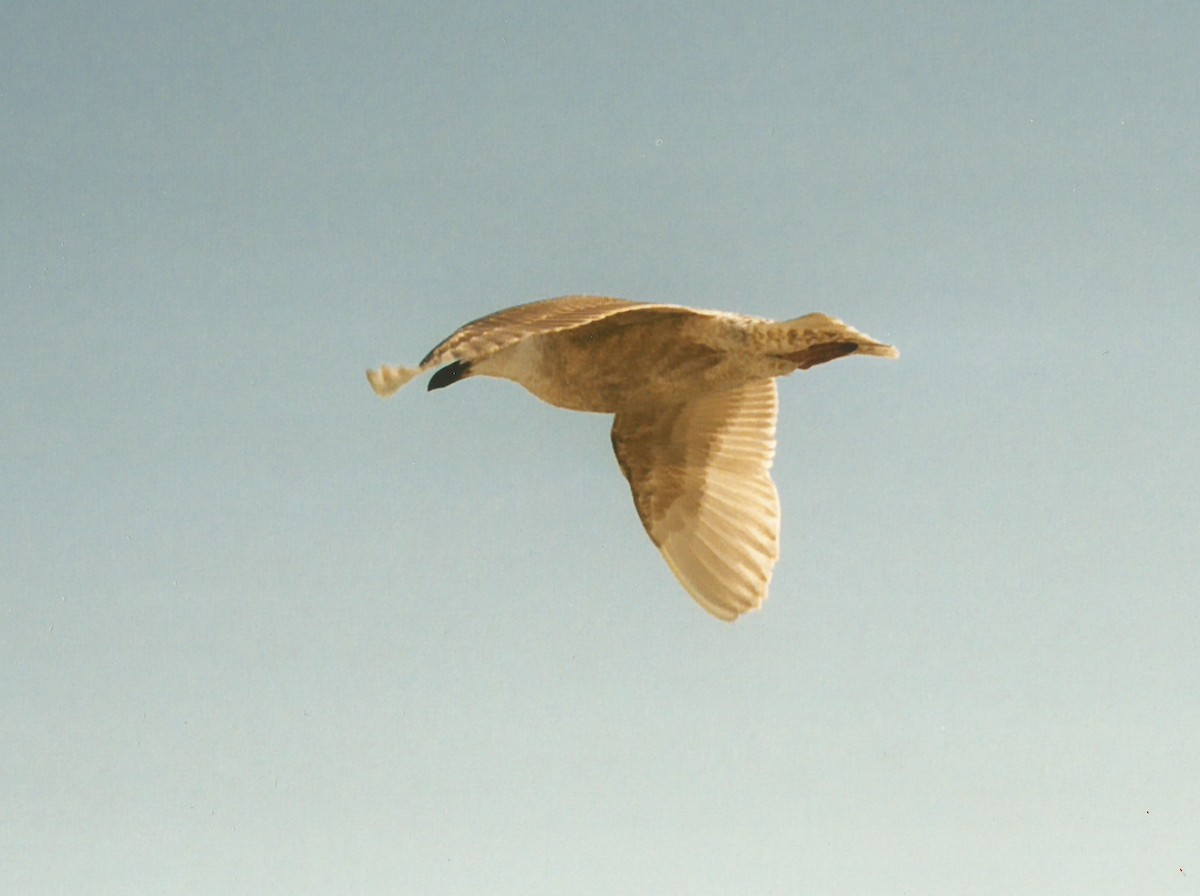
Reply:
x=695, y=403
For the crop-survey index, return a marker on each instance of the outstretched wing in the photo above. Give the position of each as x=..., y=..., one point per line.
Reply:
x=487, y=335
x=491, y=333
x=700, y=473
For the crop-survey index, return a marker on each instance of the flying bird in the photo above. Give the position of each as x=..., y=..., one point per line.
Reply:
x=695, y=403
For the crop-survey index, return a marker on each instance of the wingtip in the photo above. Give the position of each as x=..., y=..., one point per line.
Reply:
x=734, y=615
x=388, y=381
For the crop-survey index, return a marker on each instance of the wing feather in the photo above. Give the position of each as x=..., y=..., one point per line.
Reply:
x=486, y=335
x=494, y=331
x=700, y=473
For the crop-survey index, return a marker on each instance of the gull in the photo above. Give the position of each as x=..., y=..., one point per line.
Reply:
x=694, y=399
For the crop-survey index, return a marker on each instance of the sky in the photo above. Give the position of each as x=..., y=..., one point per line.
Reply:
x=263, y=633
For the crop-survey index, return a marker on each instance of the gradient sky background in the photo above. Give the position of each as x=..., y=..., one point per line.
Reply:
x=261, y=633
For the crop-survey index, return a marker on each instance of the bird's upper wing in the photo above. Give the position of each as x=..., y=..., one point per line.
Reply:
x=489, y=334
x=700, y=473
x=483, y=337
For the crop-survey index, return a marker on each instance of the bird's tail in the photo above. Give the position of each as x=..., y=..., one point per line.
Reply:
x=387, y=380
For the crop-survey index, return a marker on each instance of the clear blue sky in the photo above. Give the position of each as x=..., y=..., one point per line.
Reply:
x=262, y=633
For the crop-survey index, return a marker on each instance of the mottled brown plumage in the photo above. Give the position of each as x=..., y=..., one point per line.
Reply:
x=695, y=403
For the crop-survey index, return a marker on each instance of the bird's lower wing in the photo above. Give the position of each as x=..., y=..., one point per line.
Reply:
x=700, y=473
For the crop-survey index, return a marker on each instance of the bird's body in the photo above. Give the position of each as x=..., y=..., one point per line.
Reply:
x=695, y=403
